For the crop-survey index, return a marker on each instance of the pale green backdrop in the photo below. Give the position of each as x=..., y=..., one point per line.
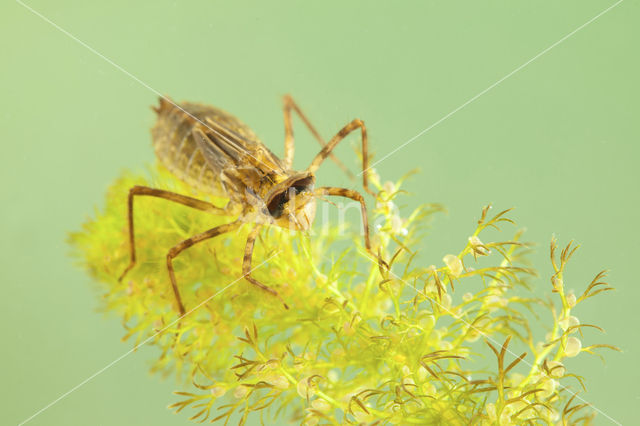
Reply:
x=558, y=140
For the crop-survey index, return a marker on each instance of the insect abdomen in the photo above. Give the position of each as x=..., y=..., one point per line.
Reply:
x=177, y=149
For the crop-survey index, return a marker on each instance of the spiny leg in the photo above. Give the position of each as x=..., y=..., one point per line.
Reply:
x=326, y=151
x=246, y=264
x=356, y=196
x=167, y=195
x=290, y=104
x=177, y=249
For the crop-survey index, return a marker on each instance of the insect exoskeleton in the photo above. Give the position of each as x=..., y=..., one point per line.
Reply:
x=216, y=153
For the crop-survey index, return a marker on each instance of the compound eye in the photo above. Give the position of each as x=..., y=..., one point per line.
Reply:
x=303, y=185
x=276, y=206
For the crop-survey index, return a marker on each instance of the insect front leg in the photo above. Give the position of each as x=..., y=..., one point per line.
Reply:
x=179, y=248
x=167, y=195
x=246, y=265
x=356, y=196
x=290, y=105
x=328, y=148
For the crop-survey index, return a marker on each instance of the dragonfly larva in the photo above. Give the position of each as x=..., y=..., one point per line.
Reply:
x=217, y=154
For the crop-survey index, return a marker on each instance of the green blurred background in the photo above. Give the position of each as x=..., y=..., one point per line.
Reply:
x=558, y=140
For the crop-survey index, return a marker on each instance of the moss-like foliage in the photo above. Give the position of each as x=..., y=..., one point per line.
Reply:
x=447, y=343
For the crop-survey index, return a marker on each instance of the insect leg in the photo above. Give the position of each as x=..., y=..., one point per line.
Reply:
x=289, y=105
x=167, y=195
x=177, y=249
x=326, y=151
x=356, y=196
x=246, y=265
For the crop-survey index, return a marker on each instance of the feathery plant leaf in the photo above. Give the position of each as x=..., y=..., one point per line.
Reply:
x=361, y=342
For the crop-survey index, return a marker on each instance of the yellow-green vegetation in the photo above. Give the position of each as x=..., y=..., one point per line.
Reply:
x=455, y=342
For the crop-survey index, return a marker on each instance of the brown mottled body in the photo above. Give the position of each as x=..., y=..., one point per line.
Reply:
x=216, y=153
x=213, y=151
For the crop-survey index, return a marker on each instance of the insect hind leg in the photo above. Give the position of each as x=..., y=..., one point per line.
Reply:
x=289, y=146
x=159, y=193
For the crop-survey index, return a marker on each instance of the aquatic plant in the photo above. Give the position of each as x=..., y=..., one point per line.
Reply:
x=363, y=342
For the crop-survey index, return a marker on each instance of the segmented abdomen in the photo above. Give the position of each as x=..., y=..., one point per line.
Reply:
x=178, y=151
